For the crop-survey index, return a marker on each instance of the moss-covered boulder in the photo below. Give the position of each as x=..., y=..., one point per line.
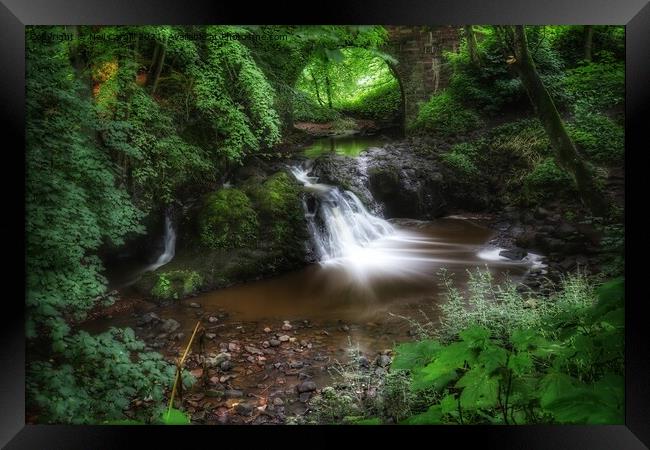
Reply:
x=227, y=220
x=279, y=208
x=176, y=284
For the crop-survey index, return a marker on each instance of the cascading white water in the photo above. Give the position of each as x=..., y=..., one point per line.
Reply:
x=170, y=246
x=346, y=227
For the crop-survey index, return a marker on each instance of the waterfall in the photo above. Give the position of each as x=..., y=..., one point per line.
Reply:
x=340, y=225
x=169, y=248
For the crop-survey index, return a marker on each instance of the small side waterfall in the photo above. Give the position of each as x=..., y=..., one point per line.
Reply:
x=339, y=223
x=170, y=246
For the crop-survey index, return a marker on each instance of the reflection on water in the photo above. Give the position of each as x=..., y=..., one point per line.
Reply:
x=343, y=145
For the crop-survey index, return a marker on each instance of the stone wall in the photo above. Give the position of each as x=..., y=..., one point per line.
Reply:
x=421, y=70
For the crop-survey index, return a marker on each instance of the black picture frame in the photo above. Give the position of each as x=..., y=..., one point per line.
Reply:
x=635, y=14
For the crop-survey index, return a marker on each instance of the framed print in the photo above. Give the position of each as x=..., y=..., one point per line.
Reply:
x=414, y=217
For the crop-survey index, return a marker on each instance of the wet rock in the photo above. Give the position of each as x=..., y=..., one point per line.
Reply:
x=284, y=338
x=244, y=409
x=286, y=326
x=214, y=361
x=194, y=305
x=363, y=362
x=169, y=325
x=277, y=401
x=383, y=361
x=267, y=330
x=213, y=319
x=274, y=342
x=148, y=318
x=516, y=254
x=233, y=347
x=265, y=344
x=210, y=335
x=306, y=386
x=226, y=365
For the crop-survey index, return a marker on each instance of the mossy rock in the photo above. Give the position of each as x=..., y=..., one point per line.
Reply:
x=278, y=204
x=227, y=220
x=176, y=284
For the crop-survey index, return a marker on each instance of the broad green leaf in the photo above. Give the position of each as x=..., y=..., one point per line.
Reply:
x=480, y=389
x=411, y=355
x=174, y=417
x=432, y=416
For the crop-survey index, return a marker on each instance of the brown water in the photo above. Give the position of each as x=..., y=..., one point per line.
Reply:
x=392, y=275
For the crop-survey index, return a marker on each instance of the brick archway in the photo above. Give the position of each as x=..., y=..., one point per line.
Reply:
x=420, y=70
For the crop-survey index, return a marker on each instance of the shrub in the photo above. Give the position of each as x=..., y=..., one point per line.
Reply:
x=602, y=84
x=461, y=158
x=383, y=103
x=307, y=110
x=546, y=180
x=60, y=392
x=227, y=220
x=565, y=367
x=445, y=115
x=597, y=136
x=176, y=284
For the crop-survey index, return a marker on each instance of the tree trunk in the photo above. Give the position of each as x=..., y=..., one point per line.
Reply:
x=472, y=47
x=157, y=63
x=566, y=154
x=328, y=86
x=589, y=37
x=313, y=79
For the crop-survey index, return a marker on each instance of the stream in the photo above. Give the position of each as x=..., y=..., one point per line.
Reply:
x=280, y=332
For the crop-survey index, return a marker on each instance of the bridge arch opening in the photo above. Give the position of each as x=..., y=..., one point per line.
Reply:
x=351, y=82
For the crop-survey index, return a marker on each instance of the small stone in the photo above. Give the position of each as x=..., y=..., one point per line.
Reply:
x=284, y=338
x=292, y=339
x=212, y=319
x=169, y=325
x=286, y=326
x=214, y=393
x=267, y=330
x=253, y=350
x=345, y=328
x=148, y=318
x=296, y=364
x=217, y=360
x=306, y=386
x=214, y=380
x=274, y=342
x=197, y=373
x=277, y=401
x=226, y=365
x=233, y=393
x=304, y=343
x=304, y=397
x=210, y=335
x=194, y=305
x=266, y=344
x=363, y=362
x=233, y=347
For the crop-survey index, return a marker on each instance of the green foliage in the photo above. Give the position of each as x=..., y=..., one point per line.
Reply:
x=564, y=367
x=445, y=115
x=568, y=42
x=602, y=84
x=174, y=416
x=176, y=284
x=95, y=380
x=547, y=180
x=598, y=137
x=382, y=103
x=305, y=109
x=227, y=220
x=461, y=158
